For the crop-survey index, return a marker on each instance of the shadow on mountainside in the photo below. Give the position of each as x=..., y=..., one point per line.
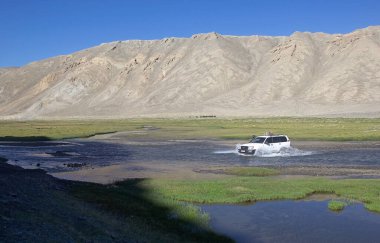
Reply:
x=35, y=206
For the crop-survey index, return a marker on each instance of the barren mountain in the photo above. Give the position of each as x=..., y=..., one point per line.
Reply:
x=305, y=74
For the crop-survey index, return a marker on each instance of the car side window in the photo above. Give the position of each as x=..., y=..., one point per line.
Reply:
x=269, y=140
x=283, y=139
x=276, y=139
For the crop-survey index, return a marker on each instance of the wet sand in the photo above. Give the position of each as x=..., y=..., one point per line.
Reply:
x=112, y=173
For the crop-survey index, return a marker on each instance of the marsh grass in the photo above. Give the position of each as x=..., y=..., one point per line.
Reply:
x=250, y=189
x=336, y=205
x=165, y=203
x=251, y=171
x=324, y=129
x=54, y=130
x=132, y=199
x=166, y=206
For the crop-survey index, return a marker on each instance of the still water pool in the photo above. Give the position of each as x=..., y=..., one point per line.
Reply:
x=294, y=221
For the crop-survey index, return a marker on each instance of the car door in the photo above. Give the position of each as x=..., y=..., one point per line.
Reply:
x=284, y=142
x=276, y=144
x=269, y=144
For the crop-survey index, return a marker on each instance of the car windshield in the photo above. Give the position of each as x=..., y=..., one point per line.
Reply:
x=258, y=140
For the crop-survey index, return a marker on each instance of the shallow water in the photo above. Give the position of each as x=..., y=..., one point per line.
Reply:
x=53, y=156
x=279, y=221
x=294, y=221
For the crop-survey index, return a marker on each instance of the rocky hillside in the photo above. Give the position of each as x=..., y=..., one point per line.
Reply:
x=305, y=74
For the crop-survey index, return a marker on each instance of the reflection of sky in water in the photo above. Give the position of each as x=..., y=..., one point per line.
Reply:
x=294, y=221
x=98, y=153
x=53, y=158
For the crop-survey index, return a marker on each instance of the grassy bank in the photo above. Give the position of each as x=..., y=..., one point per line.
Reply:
x=250, y=189
x=323, y=129
x=170, y=220
x=251, y=171
x=53, y=130
x=162, y=204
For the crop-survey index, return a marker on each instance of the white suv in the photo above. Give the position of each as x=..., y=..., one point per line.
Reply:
x=265, y=144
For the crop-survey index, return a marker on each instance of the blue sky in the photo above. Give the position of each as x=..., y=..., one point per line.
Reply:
x=31, y=30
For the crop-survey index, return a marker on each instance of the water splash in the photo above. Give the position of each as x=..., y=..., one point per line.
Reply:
x=226, y=152
x=230, y=151
x=284, y=152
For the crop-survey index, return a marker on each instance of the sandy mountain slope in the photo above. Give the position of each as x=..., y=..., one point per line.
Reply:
x=305, y=74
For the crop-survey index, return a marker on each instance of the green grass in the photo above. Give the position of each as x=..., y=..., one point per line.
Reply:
x=250, y=189
x=327, y=129
x=132, y=199
x=337, y=205
x=251, y=171
x=165, y=205
x=53, y=130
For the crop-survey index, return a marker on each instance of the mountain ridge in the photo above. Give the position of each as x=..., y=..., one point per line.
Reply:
x=304, y=74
